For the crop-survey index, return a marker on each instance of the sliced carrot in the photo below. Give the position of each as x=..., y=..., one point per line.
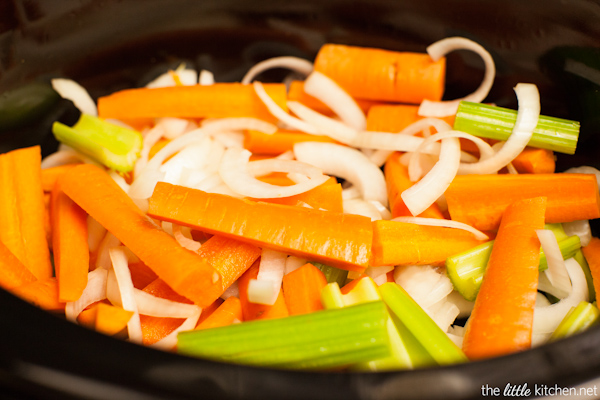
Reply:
x=399, y=243
x=110, y=319
x=327, y=196
x=302, y=289
x=480, y=200
x=22, y=210
x=51, y=175
x=535, y=161
x=276, y=178
x=230, y=257
x=334, y=238
x=397, y=181
x=252, y=311
x=69, y=245
x=502, y=319
x=279, y=142
x=207, y=311
x=375, y=74
x=12, y=271
x=157, y=147
x=395, y=117
x=351, y=285
x=220, y=100
x=592, y=256
x=186, y=272
x=141, y=274
x=87, y=318
x=41, y=293
x=226, y=314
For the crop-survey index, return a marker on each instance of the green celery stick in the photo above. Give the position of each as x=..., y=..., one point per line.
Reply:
x=580, y=318
x=466, y=269
x=580, y=258
x=439, y=346
x=323, y=339
x=332, y=274
x=114, y=146
x=493, y=122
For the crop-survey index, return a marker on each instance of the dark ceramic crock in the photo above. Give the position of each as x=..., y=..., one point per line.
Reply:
x=110, y=44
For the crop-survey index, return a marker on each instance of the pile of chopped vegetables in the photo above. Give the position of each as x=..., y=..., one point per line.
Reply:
x=351, y=220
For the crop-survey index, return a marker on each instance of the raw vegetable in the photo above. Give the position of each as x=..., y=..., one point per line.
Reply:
x=279, y=142
x=592, y=257
x=229, y=312
x=13, y=273
x=577, y=320
x=302, y=289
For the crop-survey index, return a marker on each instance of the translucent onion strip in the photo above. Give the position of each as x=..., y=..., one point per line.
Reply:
x=234, y=172
x=265, y=288
x=556, y=272
x=580, y=228
x=331, y=94
x=170, y=341
x=71, y=90
x=94, y=291
x=323, y=124
x=438, y=50
x=362, y=207
x=444, y=223
x=269, y=165
x=153, y=306
x=527, y=119
x=347, y=163
x=296, y=64
x=120, y=263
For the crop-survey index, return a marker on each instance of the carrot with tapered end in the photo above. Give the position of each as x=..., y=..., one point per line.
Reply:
x=105, y=318
x=252, y=311
x=592, y=256
x=480, y=200
x=375, y=74
x=220, y=100
x=227, y=313
x=535, y=161
x=502, y=318
x=296, y=93
x=207, y=311
x=397, y=181
x=12, y=271
x=69, y=245
x=329, y=237
x=51, y=175
x=395, y=117
x=400, y=243
x=230, y=257
x=278, y=142
x=327, y=196
x=41, y=293
x=23, y=211
x=186, y=272
x=302, y=289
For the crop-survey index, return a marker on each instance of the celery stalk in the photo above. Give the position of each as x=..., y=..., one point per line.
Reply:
x=493, y=122
x=114, y=146
x=323, y=339
x=579, y=257
x=424, y=329
x=332, y=274
x=580, y=318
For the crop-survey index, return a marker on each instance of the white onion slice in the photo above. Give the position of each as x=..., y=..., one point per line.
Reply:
x=121, y=269
x=96, y=233
x=292, y=263
x=580, y=228
x=556, y=272
x=379, y=157
x=362, y=207
x=465, y=307
x=206, y=78
x=174, y=127
x=424, y=193
x=280, y=113
x=95, y=290
x=184, y=238
x=153, y=306
x=103, y=257
x=333, y=96
x=71, y=90
x=546, y=319
x=296, y=64
x=438, y=50
x=444, y=314
x=423, y=283
x=383, y=210
x=323, y=124
x=265, y=288
x=378, y=274
x=269, y=165
x=444, y=223
x=230, y=139
x=347, y=163
x=170, y=341
x=151, y=137
x=527, y=118
x=234, y=172
x=187, y=77
x=66, y=155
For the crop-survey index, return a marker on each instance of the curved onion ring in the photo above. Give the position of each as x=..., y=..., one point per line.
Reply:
x=296, y=64
x=333, y=96
x=438, y=50
x=556, y=272
x=323, y=124
x=71, y=90
x=265, y=288
x=122, y=274
x=94, y=291
x=348, y=163
x=443, y=222
x=362, y=207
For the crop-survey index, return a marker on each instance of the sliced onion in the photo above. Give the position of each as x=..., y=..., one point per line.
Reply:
x=379, y=157
x=232, y=290
x=174, y=127
x=186, y=76
x=378, y=274
x=151, y=137
x=184, y=238
x=337, y=99
x=230, y=139
x=444, y=314
x=153, y=306
x=465, y=307
x=234, y=172
x=323, y=124
x=383, y=210
x=580, y=228
x=95, y=290
x=527, y=119
x=170, y=341
x=424, y=193
x=121, y=269
x=143, y=186
x=423, y=283
x=296, y=64
x=269, y=165
x=351, y=192
x=556, y=272
x=266, y=287
x=119, y=180
x=292, y=263
x=362, y=207
x=438, y=50
x=71, y=90
x=103, y=257
x=66, y=156
x=347, y=163
x=280, y=113
x=206, y=78
x=546, y=319
x=96, y=233
x=444, y=223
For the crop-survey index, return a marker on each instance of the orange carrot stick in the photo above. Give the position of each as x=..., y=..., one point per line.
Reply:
x=51, y=175
x=592, y=256
x=252, y=311
x=41, y=293
x=141, y=274
x=535, y=161
x=327, y=196
x=105, y=318
x=399, y=243
x=199, y=101
x=342, y=240
x=69, y=245
x=279, y=142
x=395, y=117
x=226, y=314
x=302, y=289
x=502, y=319
x=376, y=74
x=22, y=210
x=397, y=181
x=12, y=271
x=480, y=200
x=186, y=272
x=207, y=311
